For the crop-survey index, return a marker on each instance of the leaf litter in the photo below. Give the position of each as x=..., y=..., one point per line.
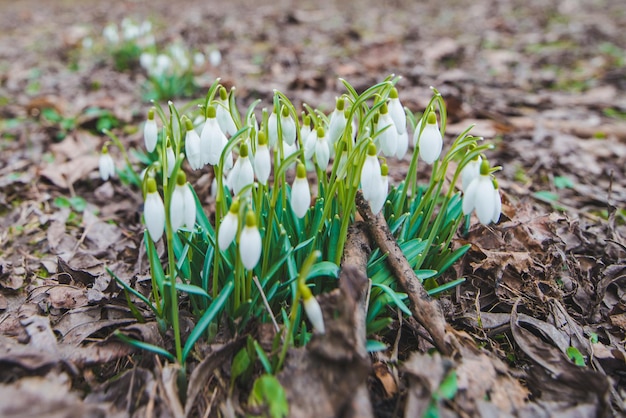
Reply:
x=545, y=286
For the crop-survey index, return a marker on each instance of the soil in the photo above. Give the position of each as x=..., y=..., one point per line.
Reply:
x=545, y=81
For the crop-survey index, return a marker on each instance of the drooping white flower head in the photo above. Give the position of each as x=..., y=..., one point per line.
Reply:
x=322, y=151
x=223, y=115
x=312, y=308
x=370, y=173
x=182, y=204
x=262, y=160
x=377, y=201
x=212, y=138
x=430, y=142
x=170, y=158
x=154, y=211
x=482, y=196
x=215, y=57
x=242, y=173
x=288, y=127
x=403, y=145
x=388, y=138
x=305, y=129
x=396, y=111
x=228, y=226
x=470, y=172
x=309, y=145
x=272, y=129
x=300, y=192
x=193, y=146
x=497, y=210
x=150, y=132
x=250, y=244
x=106, y=165
x=338, y=122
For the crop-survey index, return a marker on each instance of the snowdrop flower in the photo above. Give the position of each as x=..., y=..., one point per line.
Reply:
x=396, y=111
x=250, y=244
x=272, y=129
x=305, y=129
x=497, y=210
x=193, y=147
x=430, y=142
x=470, y=172
x=309, y=145
x=262, y=160
x=322, y=150
x=146, y=60
x=228, y=226
x=242, y=173
x=110, y=34
x=106, y=164
x=312, y=308
x=154, y=211
x=388, y=138
x=370, y=174
x=150, y=132
x=215, y=57
x=212, y=138
x=482, y=196
x=288, y=127
x=198, y=59
x=377, y=201
x=224, y=118
x=300, y=192
x=182, y=204
x=403, y=145
x=162, y=65
x=338, y=122
x=170, y=158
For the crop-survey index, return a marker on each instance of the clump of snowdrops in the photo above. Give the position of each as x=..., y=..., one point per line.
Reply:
x=284, y=191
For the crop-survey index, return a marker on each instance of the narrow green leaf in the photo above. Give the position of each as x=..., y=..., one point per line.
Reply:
x=374, y=345
x=145, y=346
x=265, y=361
x=446, y=286
x=394, y=297
x=207, y=318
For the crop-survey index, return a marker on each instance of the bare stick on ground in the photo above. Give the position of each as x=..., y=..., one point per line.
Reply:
x=425, y=309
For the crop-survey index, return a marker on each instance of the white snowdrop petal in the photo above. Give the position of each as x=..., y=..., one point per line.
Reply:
x=388, y=139
x=250, y=246
x=288, y=129
x=177, y=208
x=272, y=130
x=225, y=119
x=190, y=207
x=154, y=215
x=213, y=141
x=309, y=145
x=171, y=161
x=106, y=166
x=314, y=313
x=377, y=201
x=469, y=197
x=150, y=134
x=430, y=143
x=470, y=172
x=193, y=150
x=485, y=204
x=403, y=145
x=397, y=115
x=262, y=164
x=300, y=197
x=228, y=230
x=322, y=153
x=336, y=126
x=497, y=206
x=370, y=175
x=244, y=175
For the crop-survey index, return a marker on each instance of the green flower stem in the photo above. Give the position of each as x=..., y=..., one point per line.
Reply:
x=295, y=306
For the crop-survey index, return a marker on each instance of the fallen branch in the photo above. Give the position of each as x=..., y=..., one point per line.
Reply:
x=425, y=309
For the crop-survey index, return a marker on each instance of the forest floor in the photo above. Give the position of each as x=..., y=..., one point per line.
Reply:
x=545, y=288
